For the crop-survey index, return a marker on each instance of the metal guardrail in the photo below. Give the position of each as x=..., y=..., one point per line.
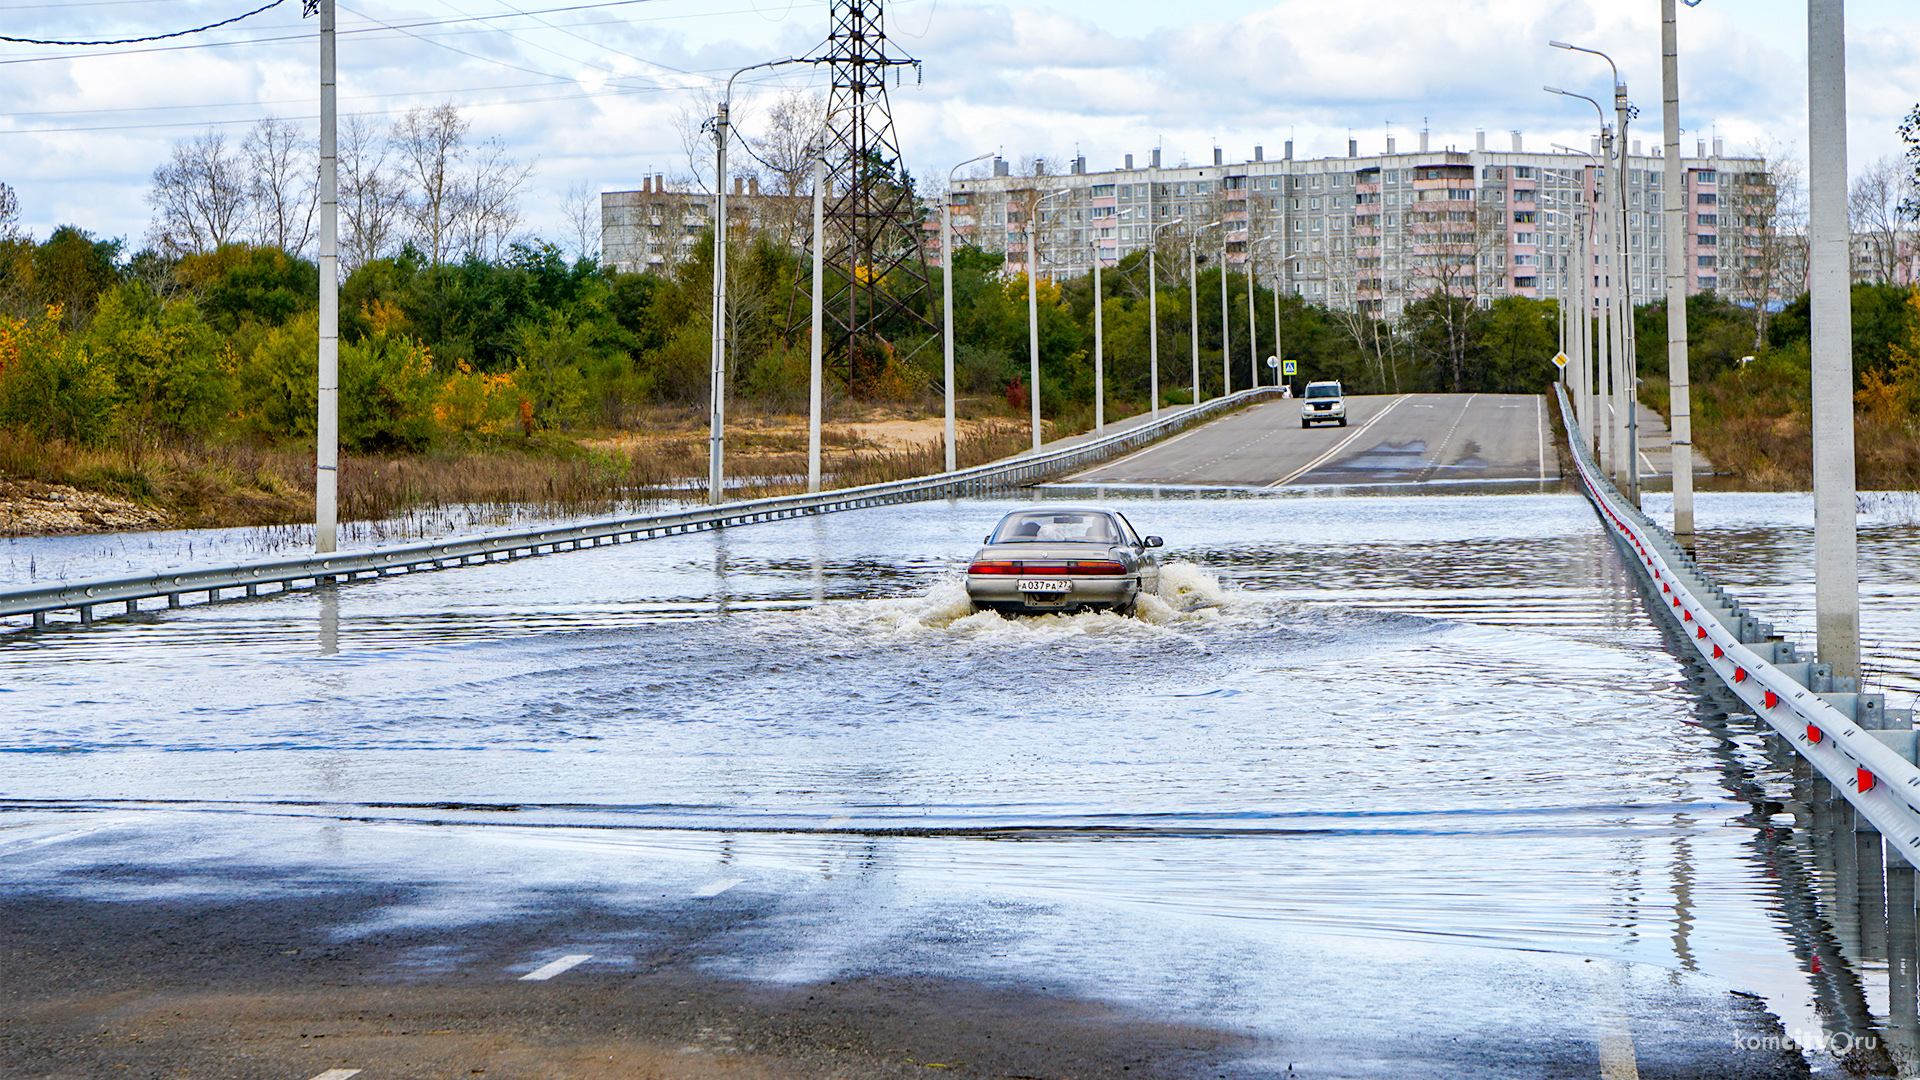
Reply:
x=85, y=596
x=1841, y=732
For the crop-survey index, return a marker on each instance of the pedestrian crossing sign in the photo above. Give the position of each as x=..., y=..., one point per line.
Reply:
x=1292, y=367
x=1560, y=360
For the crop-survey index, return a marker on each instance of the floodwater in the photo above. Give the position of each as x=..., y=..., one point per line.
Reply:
x=1440, y=721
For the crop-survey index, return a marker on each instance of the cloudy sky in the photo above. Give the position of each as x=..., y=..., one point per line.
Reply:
x=594, y=92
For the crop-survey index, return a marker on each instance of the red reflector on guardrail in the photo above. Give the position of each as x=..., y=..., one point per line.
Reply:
x=1717, y=654
x=1739, y=674
x=1699, y=631
x=1863, y=780
x=1686, y=616
x=1772, y=699
x=1814, y=734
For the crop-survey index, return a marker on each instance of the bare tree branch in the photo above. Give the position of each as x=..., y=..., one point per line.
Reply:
x=200, y=196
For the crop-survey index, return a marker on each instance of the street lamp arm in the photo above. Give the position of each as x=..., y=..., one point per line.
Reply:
x=1594, y=52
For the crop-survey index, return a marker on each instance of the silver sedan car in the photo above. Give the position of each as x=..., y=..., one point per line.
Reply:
x=1063, y=558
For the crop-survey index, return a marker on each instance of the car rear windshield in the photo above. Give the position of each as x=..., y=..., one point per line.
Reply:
x=1047, y=526
x=1323, y=390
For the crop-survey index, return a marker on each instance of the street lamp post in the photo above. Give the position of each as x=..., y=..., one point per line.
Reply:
x=1193, y=295
x=1614, y=441
x=1226, y=346
x=1588, y=227
x=946, y=298
x=1099, y=336
x=717, y=409
x=1623, y=294
x=1153, y=313
x=1033, y=313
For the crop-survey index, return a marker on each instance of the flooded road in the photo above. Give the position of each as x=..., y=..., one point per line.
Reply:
x=1372, y=774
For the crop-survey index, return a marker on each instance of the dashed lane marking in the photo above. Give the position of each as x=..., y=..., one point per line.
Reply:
x=549, y=970
x=338, y=1074
x=715, y=888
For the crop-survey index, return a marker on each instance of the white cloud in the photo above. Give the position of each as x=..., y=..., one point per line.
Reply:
x=1036, y=77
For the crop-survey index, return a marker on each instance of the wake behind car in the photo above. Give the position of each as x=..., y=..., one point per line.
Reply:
x=1323, y=402
x=1063, y=558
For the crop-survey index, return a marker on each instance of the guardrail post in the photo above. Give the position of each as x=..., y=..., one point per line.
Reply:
x=86, y=613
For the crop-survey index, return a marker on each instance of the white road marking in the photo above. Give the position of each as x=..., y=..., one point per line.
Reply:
x=1615, y=1034
x=549, y=970
x=1339, y=446
x=338, y=1074
x=1448, y=437
x=715, y=888
x=1648, y=462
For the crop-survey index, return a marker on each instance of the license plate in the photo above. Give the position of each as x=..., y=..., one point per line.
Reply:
x=1042, y=585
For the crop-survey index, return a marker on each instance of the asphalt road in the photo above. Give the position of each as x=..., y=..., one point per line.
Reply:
x=1389, y=440
x=151, y=946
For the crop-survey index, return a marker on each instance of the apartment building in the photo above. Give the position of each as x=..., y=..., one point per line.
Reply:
x=656, y=227
x=1378, y=232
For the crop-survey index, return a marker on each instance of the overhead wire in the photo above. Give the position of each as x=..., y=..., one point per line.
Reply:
x=150, y=37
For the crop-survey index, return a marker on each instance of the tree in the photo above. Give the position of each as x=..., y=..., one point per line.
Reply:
x=1910, y=134
x=1881, y=230
x=72, y=269
x=583, y=219
x=200, y=197
x=794, y=126
x=487, y=202
x=282, y=184
x=9, y=212
x=431, y=143
x=372, y=199
x=1763, y=238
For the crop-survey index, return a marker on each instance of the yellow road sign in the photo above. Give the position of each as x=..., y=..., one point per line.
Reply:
x=1560, y=360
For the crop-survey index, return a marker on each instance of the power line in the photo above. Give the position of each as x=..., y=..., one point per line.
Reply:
x=150, y=37
x=357, y=30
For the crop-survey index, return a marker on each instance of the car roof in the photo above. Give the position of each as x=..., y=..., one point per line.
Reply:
x=1053, y=508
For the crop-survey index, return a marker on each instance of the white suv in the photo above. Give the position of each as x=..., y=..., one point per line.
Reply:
x=1323, y=402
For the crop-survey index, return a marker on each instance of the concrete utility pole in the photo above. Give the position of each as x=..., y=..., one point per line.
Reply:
x=816, y=389
x=946, y=289
x=1153, y=314
x=1836, y=555
x=326, y=491
x=1033, y=322
x=1099, y=349
x=717, y=386
x=1226, y=343
x=1629, y=359
x=1681, y=426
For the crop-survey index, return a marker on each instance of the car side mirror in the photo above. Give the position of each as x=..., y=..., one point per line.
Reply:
x=1154, y=541
x=988, y=539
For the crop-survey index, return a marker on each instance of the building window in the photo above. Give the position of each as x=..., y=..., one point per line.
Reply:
x=1523, y=238
x=1709, y=219
x=1523, y=217
x=1709, y=283
x=1707, y=176
x=1706, y=261
x=1523, y=172
x=1707, y=240
x=1526, y=282
x=1706, y=198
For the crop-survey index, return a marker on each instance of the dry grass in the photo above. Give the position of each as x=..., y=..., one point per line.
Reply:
x=240, y=484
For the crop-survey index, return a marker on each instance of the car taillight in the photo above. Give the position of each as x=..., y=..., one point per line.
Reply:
x=1077, y=567
x=994, y=568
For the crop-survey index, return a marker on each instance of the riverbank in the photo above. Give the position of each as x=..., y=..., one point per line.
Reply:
x=54, y=488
